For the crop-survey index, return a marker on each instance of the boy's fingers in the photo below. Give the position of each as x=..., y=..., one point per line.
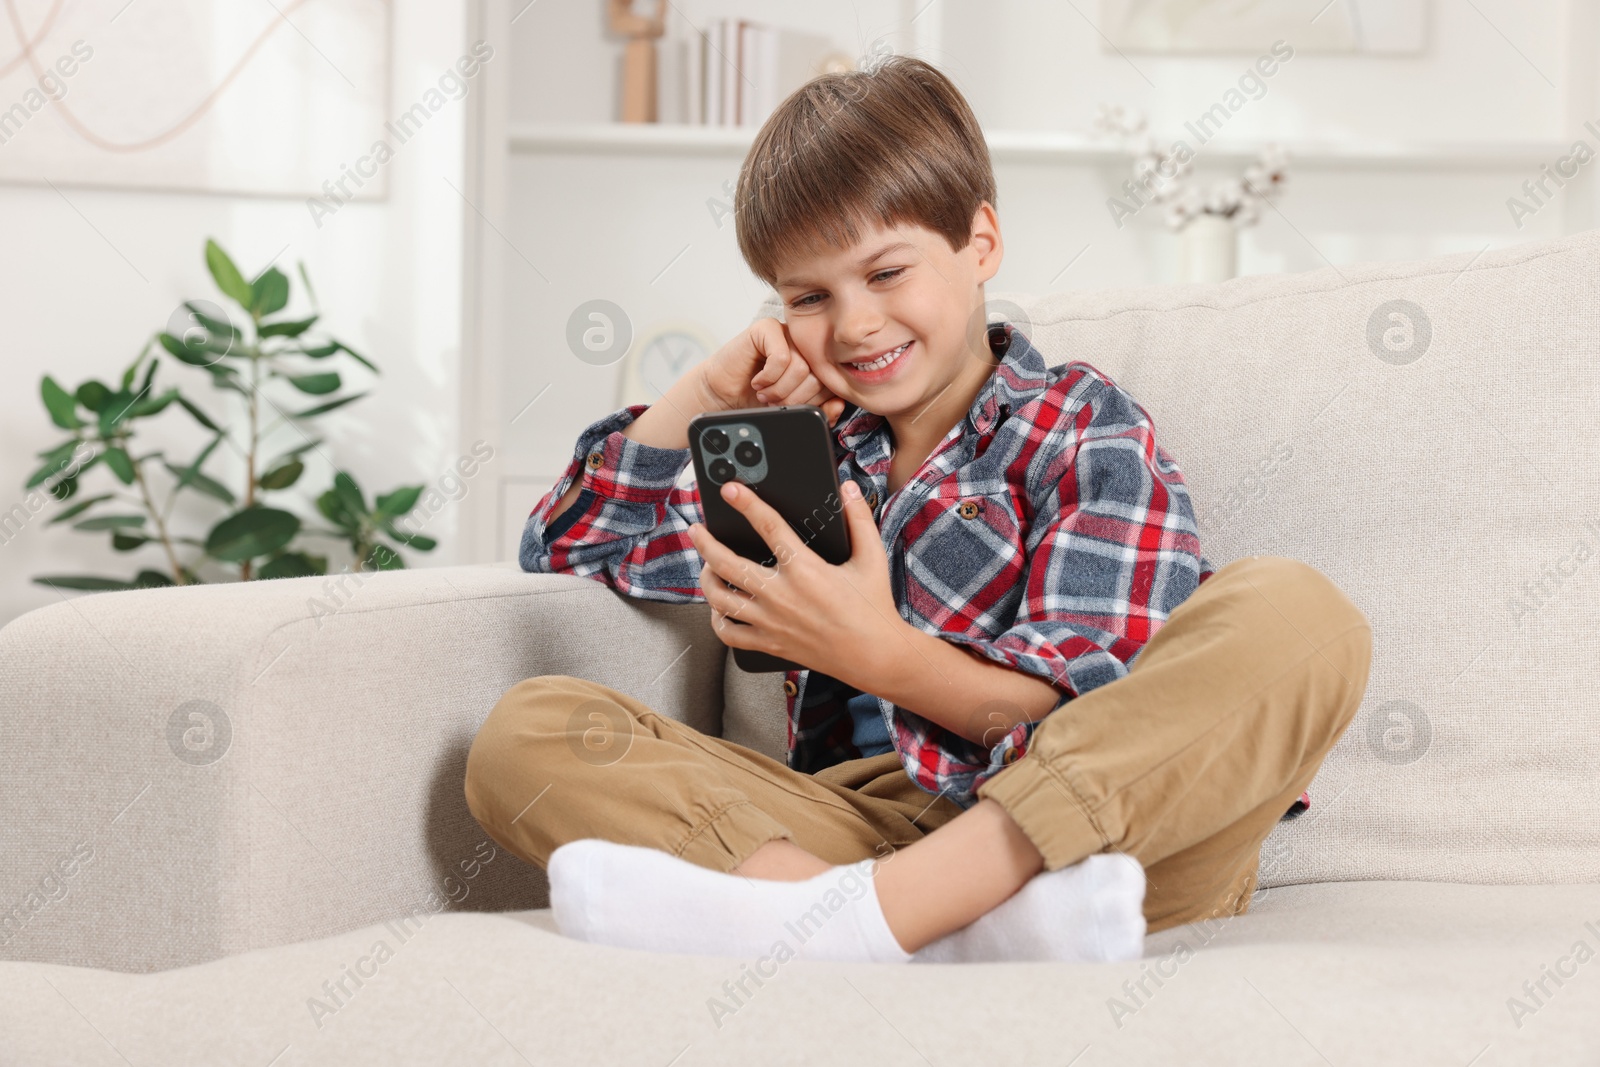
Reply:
x=864, y=534
x=792, y=380
x=726, y=598
x=772, y=367
x=762, y=378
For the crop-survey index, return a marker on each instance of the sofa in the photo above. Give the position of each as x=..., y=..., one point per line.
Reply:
x=233, y=829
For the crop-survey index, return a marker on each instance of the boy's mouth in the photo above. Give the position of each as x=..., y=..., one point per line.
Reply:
x=880, y=368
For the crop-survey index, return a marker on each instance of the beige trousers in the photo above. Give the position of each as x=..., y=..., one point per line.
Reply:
x=1186, y=763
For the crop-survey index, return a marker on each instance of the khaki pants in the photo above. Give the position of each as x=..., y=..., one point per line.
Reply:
x=1186, y=763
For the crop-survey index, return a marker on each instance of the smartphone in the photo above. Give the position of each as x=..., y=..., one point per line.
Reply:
x=785, y=455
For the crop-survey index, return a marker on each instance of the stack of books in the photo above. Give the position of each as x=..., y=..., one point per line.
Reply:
x=734, y=72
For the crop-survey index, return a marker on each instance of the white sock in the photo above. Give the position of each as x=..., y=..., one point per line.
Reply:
x=1090, y=912
x=644, y=898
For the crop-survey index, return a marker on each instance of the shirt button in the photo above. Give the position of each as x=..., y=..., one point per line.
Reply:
x=968, y=509
x=872, y=500
x=596, y=459
x=789, y=688
x=1010, y=756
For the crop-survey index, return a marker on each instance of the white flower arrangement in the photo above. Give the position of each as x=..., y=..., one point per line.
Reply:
x=1164, y=176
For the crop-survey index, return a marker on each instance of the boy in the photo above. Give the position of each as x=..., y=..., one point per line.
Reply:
x=1034, y=722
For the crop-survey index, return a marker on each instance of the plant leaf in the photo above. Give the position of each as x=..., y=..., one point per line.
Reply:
x=66, y=487
x=61, y=452
x=227, y=276
x=199, y=416
x=122, y=542
x=62, y=405
x=195, y=348
x=416, y=541
x=333, y=509
x=358, y=357
x=383, y=558
x=253, y=532
x=109, y=522
x=290, y=328
x=92, y=394
x=270, y=292
x=120, y=465
x=323, y=409
x=55, y=461
x=218, y=328
x=283, y=475
x=116, y=409
x=315, y=384
x=294, y=565
x=149, y=375
x=83, y=582
x=321, y=351
x=191, y=476
x=79, y=508
x=152, y=405
x=300, y=264
x=199, y=461
x=349, y=493
x=151, y=580
x=395, y=504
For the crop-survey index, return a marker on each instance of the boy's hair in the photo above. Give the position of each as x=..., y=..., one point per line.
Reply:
x=894, y=142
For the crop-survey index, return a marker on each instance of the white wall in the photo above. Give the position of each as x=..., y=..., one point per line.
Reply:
x=388, y=276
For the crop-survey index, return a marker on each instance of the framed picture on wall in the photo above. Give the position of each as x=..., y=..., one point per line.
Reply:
x=1356, y=27
x=287, y=99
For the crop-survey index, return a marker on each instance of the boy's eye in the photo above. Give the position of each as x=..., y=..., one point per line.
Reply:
x=882, y=275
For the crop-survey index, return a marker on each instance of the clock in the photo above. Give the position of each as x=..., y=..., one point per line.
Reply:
x=659, y=358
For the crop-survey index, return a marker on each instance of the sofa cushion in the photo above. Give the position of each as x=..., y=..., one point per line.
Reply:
x=1424, y=433
x=1363, y=972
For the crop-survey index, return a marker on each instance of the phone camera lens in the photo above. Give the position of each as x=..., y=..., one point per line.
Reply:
x=721, y=470
x=748, y=453
x=715, y=441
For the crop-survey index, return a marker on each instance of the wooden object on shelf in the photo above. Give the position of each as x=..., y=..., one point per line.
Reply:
x=638, y=56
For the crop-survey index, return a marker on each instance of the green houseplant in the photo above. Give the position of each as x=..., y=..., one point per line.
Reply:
x=264, y=372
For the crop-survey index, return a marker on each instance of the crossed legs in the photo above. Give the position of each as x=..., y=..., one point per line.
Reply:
x=1184, y=766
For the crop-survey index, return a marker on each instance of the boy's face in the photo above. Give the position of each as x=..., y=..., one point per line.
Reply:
x=845, y=307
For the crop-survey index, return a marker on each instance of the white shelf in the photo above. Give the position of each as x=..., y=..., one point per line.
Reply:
x=1031, y=146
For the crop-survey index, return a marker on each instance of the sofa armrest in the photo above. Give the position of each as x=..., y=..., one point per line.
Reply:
x=190, y=773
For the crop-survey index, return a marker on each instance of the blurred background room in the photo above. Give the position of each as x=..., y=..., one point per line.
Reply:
x=319, y=286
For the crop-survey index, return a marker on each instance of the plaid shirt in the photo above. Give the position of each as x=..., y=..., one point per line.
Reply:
x=1047, y=532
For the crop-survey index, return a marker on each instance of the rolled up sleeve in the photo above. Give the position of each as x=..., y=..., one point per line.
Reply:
x=629, y=524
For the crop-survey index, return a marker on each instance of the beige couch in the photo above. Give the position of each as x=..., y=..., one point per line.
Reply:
x=243, y=795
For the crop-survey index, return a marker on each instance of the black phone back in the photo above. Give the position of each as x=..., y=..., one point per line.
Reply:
x=785, y=454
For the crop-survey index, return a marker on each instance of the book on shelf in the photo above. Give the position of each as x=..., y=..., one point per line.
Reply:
x=734, y=72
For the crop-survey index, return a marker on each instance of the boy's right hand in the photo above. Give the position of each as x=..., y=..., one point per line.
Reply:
x=761, y=366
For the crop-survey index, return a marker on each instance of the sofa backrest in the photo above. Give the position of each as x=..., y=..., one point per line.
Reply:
x=1427, y=434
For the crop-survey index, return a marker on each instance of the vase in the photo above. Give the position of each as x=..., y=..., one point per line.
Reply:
x=1208, y=250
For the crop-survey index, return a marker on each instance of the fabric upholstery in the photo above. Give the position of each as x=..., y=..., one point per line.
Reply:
x=336, y=801
x=1343, y=973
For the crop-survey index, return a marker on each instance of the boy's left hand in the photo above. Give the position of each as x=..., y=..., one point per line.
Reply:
x=834, y=618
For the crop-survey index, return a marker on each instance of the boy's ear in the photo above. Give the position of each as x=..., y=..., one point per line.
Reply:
x=986, y=240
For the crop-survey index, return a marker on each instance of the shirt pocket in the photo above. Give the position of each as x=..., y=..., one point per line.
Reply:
x=966, y=554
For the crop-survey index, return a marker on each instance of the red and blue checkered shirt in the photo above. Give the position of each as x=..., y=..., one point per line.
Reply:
x=1047, y=532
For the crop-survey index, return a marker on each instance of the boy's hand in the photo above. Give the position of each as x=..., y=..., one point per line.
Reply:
x=836, y=619
x=762, y=366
